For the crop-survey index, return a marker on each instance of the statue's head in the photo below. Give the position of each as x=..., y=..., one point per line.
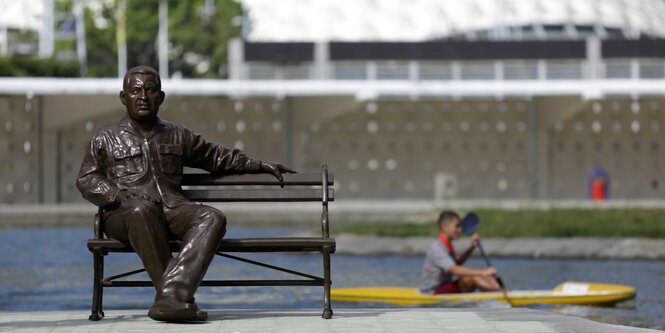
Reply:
x=142, y=93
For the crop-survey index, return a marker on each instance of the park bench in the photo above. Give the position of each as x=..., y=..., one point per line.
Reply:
x=297, y=187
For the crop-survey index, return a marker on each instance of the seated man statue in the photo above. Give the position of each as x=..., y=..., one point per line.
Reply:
x=133, y=169
x=442, y=265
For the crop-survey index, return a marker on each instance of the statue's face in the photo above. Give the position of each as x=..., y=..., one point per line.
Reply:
x=142, y=97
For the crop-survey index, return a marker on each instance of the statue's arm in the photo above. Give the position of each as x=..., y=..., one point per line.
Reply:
x=92, y=181
x=218, y=159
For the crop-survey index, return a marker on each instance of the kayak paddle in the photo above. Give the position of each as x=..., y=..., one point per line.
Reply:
x=469, y=226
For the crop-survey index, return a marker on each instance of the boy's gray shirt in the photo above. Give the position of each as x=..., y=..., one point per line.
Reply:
x=436, y=268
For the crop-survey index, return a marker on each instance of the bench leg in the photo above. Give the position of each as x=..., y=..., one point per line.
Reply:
x=327, y=309
x=97, y=291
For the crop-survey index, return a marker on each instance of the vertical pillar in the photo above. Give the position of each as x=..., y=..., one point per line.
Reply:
x=236, y=57
x=456, y=70
x=58, y=166
x=81, y=46
x=593, y=58
x=288, y=131
x=50, y=164
x=121, y=37
x=634, y=69
x=321, y=61
x=371, y=70
x=498, y=70
x=40, y=151
x=533, y=150
x=4, y=46
x=278, y=74
x=46, y=39
x=414, y=71
x=542, y=70
x=163, y=39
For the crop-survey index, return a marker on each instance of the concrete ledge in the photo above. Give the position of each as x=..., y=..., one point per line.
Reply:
x=581, y=247
x=306, y=321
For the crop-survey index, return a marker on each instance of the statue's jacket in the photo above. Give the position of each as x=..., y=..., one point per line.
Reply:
x=120, y=157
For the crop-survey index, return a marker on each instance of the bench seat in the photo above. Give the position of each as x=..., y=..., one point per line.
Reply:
x=281, y=244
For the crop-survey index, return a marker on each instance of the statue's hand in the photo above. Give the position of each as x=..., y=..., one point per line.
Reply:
x=126, y=195
x=275, y=169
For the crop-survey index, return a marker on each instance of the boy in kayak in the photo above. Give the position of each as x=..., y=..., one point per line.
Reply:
x=443, y=271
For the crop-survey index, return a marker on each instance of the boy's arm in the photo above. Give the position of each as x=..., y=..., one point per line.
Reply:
x=464, y=256
x=465, y=271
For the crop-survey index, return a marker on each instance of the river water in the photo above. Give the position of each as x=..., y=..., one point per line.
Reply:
x=51, y=269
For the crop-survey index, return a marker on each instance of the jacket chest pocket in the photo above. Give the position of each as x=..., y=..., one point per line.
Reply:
x=170, y=159
x=128, y=161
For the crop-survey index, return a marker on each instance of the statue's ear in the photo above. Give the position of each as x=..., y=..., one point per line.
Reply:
x=162, y=95
x=123, y=97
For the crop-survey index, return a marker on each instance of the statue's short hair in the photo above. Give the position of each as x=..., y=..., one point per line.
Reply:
x=447, y=217
x=142, y=69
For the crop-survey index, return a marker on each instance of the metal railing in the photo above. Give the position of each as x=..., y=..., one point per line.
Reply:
x=573, y=69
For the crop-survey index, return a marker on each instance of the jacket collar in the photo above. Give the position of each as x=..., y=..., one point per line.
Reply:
x=127, y=125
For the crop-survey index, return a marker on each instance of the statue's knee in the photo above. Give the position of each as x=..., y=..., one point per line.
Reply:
x=217, y=221
x=132, y=206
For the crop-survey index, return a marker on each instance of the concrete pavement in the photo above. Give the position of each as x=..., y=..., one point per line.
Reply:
x=306, y=321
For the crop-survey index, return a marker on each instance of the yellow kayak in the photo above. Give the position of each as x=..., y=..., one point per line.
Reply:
x=569, y=292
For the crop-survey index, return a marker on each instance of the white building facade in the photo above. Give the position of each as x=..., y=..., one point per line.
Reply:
x=423, y=100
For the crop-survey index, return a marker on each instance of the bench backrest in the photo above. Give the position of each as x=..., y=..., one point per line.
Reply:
x=296, y=187
x=263, y=188
x=258, y=187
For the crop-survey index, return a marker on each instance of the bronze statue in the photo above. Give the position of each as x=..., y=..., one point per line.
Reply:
x=133, y=169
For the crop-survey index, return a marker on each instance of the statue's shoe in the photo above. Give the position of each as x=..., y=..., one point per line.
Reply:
x=200, y=314
x=169, y=309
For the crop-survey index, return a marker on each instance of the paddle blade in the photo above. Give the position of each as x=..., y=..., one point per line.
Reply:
x=470, y=223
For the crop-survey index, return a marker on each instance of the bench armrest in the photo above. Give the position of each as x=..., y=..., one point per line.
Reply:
x=325, y=232
x=98, y=227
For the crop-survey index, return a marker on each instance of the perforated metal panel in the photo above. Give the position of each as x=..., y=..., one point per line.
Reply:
x=623, y=136
x=19, y=149
x=404, y=149
x=395, y=149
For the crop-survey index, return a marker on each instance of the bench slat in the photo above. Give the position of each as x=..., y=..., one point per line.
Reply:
x=223, y=283
x=194, y=179
x=234, y=245
x=258, y=195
